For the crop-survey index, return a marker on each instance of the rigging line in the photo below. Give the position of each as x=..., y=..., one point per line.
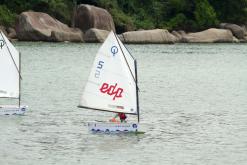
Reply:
x=125, y=59
x=127, y=49
x=12, y=57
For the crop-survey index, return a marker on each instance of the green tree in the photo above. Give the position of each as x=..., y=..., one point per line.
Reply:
x=233, y=11
x=60, y=9
x=189, y=15
x=205, y=15
x=7, y=18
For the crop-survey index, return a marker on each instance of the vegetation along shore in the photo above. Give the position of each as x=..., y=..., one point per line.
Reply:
x=136, y=21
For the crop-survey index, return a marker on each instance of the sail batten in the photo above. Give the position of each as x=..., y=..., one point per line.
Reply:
x=111, y=85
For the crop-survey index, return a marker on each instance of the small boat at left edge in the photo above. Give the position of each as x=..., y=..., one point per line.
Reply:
x=10, y=74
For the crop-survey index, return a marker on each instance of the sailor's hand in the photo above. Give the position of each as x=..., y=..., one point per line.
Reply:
x=113, y=120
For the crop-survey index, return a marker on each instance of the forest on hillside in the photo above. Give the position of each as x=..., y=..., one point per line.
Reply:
x=189, y=15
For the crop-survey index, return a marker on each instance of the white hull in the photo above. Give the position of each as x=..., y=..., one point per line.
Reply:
x=12, y=109
x=112, y=127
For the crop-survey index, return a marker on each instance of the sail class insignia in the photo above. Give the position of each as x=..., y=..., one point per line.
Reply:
x=114, y=50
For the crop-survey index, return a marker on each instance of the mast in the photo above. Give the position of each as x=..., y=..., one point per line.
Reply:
x=137, y=94
x=19, y=80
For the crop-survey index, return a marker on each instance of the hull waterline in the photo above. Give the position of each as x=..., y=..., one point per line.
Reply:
x=12, y=110
x=112, y=127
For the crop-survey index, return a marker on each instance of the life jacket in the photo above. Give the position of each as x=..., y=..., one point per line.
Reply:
x=122, y=116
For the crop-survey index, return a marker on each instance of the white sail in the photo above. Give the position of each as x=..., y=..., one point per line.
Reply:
x=9, y=69
x=111, y=85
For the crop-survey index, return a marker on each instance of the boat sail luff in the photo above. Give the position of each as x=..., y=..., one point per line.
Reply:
x=110, y=86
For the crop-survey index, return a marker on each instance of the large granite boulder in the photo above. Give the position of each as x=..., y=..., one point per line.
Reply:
x=209, y=36
x=3, y=29
x=95, y=35
x=155, y=36
x=11, y=33
x=245, y=33
x=88, y=17
x=37, y=26
x=176, y=34
x=179, y=34
x=236, y=30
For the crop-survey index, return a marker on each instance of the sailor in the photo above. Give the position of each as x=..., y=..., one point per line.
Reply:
x=121, y=116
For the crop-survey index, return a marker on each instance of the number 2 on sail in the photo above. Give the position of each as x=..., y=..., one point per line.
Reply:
x=99, y=67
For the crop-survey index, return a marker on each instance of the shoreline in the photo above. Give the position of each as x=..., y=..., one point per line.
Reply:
x=39, y=26
x=186, y=39
x=153, y=36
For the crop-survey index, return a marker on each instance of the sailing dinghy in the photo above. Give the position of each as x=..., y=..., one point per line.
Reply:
x=10, y=82
x=112, y=86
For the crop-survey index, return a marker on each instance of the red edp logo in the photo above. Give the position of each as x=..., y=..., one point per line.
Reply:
x=111, y=90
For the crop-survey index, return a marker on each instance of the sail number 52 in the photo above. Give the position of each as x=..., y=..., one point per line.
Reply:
x=98, y=68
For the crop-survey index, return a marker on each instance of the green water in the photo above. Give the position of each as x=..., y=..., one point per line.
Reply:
x=192, y=99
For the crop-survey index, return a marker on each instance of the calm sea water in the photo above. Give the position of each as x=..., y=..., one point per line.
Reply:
x=193, y=101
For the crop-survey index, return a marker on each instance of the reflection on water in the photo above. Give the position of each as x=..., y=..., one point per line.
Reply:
x=192, y=98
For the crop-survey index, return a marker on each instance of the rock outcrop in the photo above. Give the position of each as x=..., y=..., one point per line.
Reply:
x=155, y=36
x=88, y=17
x=3, y=29
x=37, y=26
x=11, y=33
x=95, y=35
x=209, y=36
x=179, y=34
x=236, y=30
x=245, y=34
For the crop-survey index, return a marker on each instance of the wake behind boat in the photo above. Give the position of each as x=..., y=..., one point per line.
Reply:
x=10, y=73
x=112, y=86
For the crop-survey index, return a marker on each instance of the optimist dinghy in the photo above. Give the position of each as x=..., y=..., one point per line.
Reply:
x=10, y=82
x=112, y=86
